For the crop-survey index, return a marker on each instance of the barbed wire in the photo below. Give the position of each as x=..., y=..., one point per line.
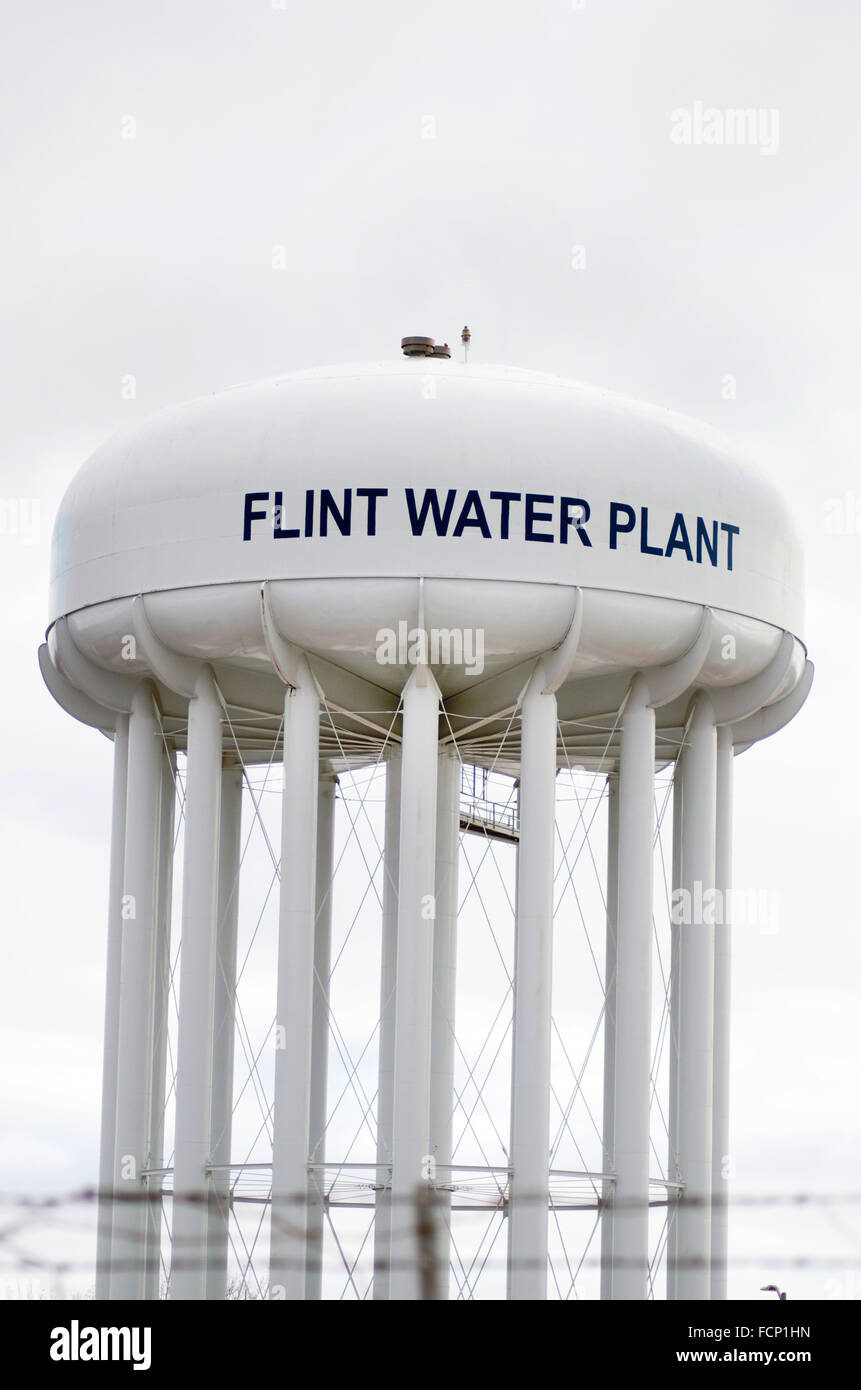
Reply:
x=46, y=1201
x=414, y=1243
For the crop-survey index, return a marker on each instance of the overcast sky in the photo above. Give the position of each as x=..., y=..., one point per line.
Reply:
x=197, y=194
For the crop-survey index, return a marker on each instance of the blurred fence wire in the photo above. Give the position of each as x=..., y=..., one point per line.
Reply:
x=48, y=1242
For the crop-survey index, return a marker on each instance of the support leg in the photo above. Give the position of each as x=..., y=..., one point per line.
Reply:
x=161, y=987
x=414, y=978
x=442, y=1029
x=633, y=997
x=696, y=1007
x=673, y=1171
x=134, y=1066
x=722, y=992
x=224, y=1029
x=192, y=1184
x=112, y=1009
x=295, y=1006
x=320, y=1030
x=386, y=1086
x=608, y=1145
x=530, y=1109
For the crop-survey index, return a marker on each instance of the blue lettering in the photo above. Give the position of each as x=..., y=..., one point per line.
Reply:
x=730, y=532
x=645, y=548
x=505, y=499
x=703, y=540
x=532, y=516
x=327, y=508
x=430, y=502
x=277, y=532
x=582, y=512
x=372, y=493
x=618, y=509
x=472, y=503
x=251, y=514
x=679, y=537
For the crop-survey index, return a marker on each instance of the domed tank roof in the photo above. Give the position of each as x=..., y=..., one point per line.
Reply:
x=432, y=468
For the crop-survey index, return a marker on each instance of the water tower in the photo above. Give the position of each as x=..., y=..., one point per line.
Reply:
x=448, y=570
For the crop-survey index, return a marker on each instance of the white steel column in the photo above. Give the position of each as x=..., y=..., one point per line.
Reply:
x=722, y=992
x=161, y=986
x=224, y=1029
x=696, y=1005
x=288, y=1244
x=608, y=1145
x=112, y=1008
x=530, y=1103
x=192, y=1185
x=633, y=996
x=320, y=1030
x=134, y=1065
x=444, y=982
x=414, y=977
x=388, y=966
x=673, y=1096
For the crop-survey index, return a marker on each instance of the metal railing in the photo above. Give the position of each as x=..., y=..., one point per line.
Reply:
x=481, y=812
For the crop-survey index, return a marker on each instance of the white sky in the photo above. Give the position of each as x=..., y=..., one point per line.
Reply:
x=259, y=128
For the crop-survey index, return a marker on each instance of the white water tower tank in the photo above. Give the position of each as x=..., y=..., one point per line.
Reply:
x=507, y=570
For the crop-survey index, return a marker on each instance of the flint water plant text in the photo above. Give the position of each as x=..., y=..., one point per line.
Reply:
x=470, y=513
